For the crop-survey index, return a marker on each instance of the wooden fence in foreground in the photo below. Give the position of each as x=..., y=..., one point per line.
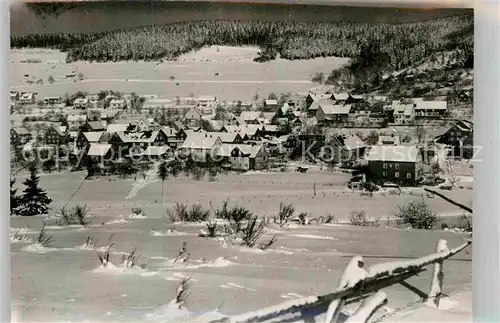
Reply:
x=358, y=284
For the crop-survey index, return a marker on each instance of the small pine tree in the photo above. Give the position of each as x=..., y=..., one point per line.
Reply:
x=14, y=199
x=34, y=200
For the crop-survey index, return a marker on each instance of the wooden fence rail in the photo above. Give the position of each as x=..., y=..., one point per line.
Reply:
x=356, y=284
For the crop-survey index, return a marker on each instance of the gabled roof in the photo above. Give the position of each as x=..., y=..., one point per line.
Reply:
x=81, y=101
x=271, y=102
x=268, y=115
x=431, y=105
x=340, y=96
x=350, y=142
x=95, y=125
x=315, y=105
x=77, y=118
x=116, y=127
x=99, y=150
x=320, y=96
x=393, y=153
x=250, y=115
x=330, y=109
x=169, y=131
x=226, y=137
x=250, y=150
x=402, y=109
x=271, y=128
x=207, y=98
x=200, y=140
x=22, y=131
x=93, y=136
x=138, y=137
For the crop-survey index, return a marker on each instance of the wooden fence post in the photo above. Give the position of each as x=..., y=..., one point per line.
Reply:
x=368, y=308
x=437, y=275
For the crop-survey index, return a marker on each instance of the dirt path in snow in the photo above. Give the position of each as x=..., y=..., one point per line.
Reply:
x=150, y=177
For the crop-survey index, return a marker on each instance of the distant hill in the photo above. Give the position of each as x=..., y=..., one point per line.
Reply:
x=97, y=16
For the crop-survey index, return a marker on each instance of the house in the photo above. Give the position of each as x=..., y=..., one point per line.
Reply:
x=228, y=137
x=268, y=117
x=20, y=136
x=251, y=132
x=272, y=130
x=57, y=136
x=396, y=164
x=200, y=145
x=271, y=104
x=118, y=127
x=315, y=97
x=329, y=113
x=193, y=114
x=147, y=124
x=93, y=126
x=453, y=136
x=14, y=96
x=75, y=121
x=178, y=126
x=340, y=98
x=100, y=153
x=354, y=98
x=174, y=138
x=84, y=139
x=252, y=117
x=244, y=157
x=345, y=150
x=81, y=103
x=207, y=101
x=313, y=108
x=117, y=104
x=388, y=140
x=430, y=109
x=128, y=143
x=52, y=100
x=403, y=113
x=27, y=98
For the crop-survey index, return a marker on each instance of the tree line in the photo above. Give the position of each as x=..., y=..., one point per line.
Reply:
x=404, y=44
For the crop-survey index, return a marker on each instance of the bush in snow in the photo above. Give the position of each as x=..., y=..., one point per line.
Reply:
x=183, y=254
x=75, y=216
x=330, y=218
x=284, y=215
x=181, y=213
x=211, y=231
x=130, y=260
x=89, y=242
x=253, y=231
x=417, y=214
x=358, y=218
x=182, y=292
x=137, y=211
x=44, y=239
x=104, y=256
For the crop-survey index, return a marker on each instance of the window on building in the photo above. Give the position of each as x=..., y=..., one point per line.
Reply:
x=384, y=165
x=384, y=174
x=396, y=174
x=408, y=175
x=396, y=166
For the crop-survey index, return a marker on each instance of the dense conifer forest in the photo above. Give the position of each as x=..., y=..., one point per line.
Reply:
x=401, y=44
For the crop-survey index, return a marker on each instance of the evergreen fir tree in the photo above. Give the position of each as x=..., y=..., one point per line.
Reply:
x=34, y=200
x=14, y=199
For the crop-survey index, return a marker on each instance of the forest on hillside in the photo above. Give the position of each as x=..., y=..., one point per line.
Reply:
x=401, y=44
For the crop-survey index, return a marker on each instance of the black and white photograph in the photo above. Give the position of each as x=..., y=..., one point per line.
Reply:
x=230, y=161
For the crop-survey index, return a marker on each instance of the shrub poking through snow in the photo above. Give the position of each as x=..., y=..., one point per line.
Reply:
x=358, y=218
x=303, y=218
x=284, y=215
x=181, y=213
x=211, y=231
x=17, y=237
x=75, y=216
x=130, y=260
x=104, y=256
x=183, y=254
x=182, y=292
x=235, y=215
x=44, y=239
x=137, y=211
x=253, y=231
x=89, y=243
x=266, y=245
x=417, y=214
x=330, y=218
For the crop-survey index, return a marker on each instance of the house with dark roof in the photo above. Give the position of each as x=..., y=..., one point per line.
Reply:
x=19, y=136
x=84, y=139
x=330, y=113
x=244, y=156
x=454, y=134
x=396, y=164
x=56, y=135
x=93, y=126
x=346, y=150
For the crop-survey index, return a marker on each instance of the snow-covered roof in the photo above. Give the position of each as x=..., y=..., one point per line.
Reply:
x=93, y=136
x=207, y=98
x=271, y=102
x=250, y=150
x=77, y=118
x=250, y=115
x=200, y=140
x=431, y=105
x=116, y=127
x=330, y=109
x=99, y=150
x=340, y=96
x=396, y=153
x=388, y=140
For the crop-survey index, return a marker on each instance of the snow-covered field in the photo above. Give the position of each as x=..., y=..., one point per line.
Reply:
x=65, y=282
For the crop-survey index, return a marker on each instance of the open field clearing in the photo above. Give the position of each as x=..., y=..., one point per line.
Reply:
x=237, y=79
x=260, y=192
x=73, y=287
